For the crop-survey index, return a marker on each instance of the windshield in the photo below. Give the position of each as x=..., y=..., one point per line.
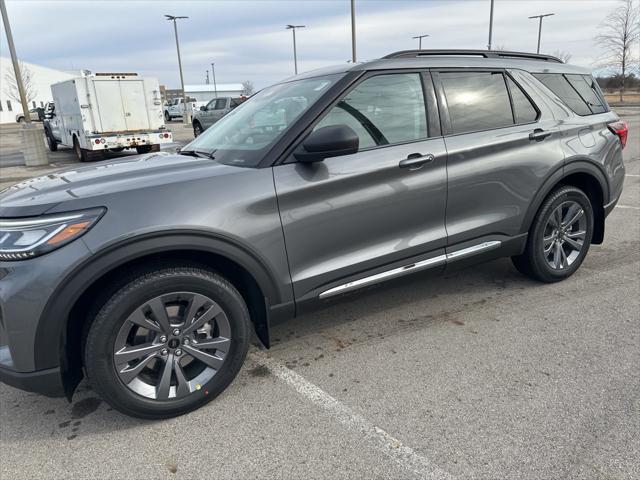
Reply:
x=243, y=136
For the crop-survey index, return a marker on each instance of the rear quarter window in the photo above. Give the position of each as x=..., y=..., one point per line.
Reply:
x=578, y=92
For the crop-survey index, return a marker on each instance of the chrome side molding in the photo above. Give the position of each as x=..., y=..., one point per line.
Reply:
x=411, y=268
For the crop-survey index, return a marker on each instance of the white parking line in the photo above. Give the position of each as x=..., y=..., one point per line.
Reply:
x=631, y=175
x=628, y=206
x=389, y=445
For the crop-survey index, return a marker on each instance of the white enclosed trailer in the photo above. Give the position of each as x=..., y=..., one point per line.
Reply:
x=107, y=111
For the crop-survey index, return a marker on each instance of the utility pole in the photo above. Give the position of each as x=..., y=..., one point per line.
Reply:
x=295, y=53
x=490, y=26
x=540, y=27
x=34, y=152
x=207, y=77
x=213, y=74
x=353, y=31
x=420, y=37
x=186, y=116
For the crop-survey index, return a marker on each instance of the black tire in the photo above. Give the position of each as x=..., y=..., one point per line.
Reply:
x=167, y=117
x=148, y=148
x=533, y=262
x=197, y=129
x=51, y=142
x=21, y=120
x=84, y=155
x=101, y=338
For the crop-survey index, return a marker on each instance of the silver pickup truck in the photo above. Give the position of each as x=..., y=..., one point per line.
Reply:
x=213, y=111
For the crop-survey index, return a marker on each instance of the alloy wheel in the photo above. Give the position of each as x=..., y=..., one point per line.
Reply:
x=564, y=235
x=172, y=345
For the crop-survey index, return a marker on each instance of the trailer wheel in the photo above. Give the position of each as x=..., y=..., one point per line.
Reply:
x=84, y=155
x=51, y=142
x=148, y=148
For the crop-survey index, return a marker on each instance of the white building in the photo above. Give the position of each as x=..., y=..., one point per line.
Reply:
x=41, y=80
x=206, y=92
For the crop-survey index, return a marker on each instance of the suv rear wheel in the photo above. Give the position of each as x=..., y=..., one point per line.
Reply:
x=168, y=342
x=560, y=236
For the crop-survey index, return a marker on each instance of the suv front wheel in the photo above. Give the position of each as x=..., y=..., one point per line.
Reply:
x=168, y=342
x=560, y=236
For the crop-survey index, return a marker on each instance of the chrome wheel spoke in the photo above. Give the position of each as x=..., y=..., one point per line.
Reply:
x=547, y=243
x=575, y=215
x=557, y=256
x=183, y=384
x=129, y=373
x=213, y=361
x=563, y=258
x=208, y=315
x=139, y=319
x=164, y=387
x=573, y=243
x=128, y=354
x=160, y=313
x=219, y=343
x=580, y=234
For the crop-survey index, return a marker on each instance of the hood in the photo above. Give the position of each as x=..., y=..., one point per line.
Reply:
x=38, y=195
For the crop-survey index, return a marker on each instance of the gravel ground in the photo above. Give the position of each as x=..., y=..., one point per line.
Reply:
x=478, y=374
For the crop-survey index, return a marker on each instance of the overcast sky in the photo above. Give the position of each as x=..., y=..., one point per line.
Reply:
x=247, y=39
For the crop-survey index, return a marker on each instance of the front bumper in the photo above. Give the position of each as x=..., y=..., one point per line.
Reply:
x=47, y=382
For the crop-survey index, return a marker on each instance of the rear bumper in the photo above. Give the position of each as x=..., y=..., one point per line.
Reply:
x=46, y=382
x=129, y=140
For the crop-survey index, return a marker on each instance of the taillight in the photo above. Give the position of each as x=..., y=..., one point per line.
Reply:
x=621, y=129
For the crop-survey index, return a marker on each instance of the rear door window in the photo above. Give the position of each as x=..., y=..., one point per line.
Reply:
x=523, y=110
x=585, y=85
x=476, y=100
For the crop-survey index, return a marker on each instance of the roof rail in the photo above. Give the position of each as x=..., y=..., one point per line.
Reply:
x=472, y=53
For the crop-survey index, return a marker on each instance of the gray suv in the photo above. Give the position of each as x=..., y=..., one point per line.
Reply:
x=150, y=275
x=213, y=111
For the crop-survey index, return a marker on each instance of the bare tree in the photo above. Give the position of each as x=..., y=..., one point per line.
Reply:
x=562, y=55
x=247, y=88
x=620, y=33
x=11, y=86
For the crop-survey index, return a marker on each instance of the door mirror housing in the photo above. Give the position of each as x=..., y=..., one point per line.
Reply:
x=326, y=142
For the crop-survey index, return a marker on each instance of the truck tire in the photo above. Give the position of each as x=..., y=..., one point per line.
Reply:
x=51, y=142
x=148, y=148
x=197, y=129
x=84, y=155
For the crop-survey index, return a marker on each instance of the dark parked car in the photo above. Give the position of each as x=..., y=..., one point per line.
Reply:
x=149, y=274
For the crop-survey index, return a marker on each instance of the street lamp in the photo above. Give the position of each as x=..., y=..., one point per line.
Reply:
x=490, y=26
x=213, y=74
x=540, y=26
x=185, y=116
x=295, y=53
x=420, y=37
x=353, y=31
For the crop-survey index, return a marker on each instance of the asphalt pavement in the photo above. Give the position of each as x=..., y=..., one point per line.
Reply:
x=478, y=374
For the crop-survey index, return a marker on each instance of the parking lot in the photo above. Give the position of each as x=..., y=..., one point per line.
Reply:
x=478, y=374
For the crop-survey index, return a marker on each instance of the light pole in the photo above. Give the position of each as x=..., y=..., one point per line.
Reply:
x=353, y=31
x=213, y=74
x=490, y=26
x=34, y=152
x=185, y=116
x=295, y=53
x=540, y=27
x=207, y=77
x=420, y=37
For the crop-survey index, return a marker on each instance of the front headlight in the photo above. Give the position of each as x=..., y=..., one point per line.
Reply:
x=23, y=238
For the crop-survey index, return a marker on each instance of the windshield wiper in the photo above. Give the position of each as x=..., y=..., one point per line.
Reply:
x=197, y=153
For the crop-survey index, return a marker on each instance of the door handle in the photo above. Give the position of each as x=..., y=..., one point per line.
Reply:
x=414, y=161
x=538, y=135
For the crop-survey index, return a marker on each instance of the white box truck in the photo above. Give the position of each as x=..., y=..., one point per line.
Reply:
x=106, y=111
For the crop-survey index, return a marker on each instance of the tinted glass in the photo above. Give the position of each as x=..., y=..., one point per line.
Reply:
x=563, y=89
x=221, y=104
x=243, y=136
x=477, y=100
x=585, y=86
x=383, y=110
x=523, y=109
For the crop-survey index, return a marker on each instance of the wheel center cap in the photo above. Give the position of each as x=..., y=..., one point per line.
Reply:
x=174, y=343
